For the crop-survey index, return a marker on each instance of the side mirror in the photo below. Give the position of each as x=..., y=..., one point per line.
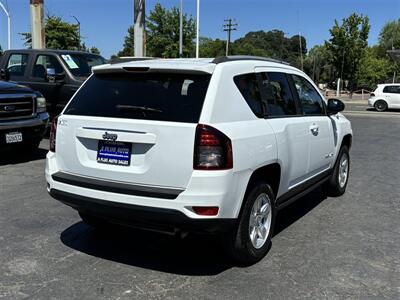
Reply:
x=5, y=74
x=52, y=76
x=51, y=72
x=335, y=106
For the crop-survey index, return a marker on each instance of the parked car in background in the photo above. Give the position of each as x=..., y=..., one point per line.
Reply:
x=385, y=96
x=57, y=74
x=23, y=116
x=211, y=145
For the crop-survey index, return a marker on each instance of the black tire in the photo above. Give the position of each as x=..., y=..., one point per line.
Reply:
x=93, y=221
x=238, y=244
x=334, y=187
x=380, y=105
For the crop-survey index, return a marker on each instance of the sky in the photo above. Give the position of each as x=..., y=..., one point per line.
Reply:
x=104, y=23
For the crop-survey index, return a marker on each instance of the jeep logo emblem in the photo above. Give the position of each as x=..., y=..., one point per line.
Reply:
x=9, y=108
x=110, y=136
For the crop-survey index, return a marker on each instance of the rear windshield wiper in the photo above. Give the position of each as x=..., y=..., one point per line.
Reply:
x=129, y=108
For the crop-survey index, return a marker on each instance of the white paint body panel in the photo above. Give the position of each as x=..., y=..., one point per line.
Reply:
x=163, y=151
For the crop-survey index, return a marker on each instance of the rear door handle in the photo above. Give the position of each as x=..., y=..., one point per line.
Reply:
x=314, y=129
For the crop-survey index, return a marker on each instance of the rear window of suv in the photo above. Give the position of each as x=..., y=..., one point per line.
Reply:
x=151, y=96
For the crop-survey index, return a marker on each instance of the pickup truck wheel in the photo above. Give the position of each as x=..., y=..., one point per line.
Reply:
x=92, y=220
x=252, y=239
x=380, y=105
x=337, y=184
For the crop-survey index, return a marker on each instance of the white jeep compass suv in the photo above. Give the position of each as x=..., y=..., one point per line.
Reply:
x=204, y=145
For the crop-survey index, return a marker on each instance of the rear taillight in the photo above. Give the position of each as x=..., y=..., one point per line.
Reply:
x=372, y=95
x=212, y=149
x=53, y=133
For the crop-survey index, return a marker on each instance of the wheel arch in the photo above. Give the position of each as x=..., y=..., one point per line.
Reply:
x=270, y=173
x=347, y=141
x=381, y=100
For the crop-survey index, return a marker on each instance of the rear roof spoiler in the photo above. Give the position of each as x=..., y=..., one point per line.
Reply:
x=127, y=70
x=124, y=59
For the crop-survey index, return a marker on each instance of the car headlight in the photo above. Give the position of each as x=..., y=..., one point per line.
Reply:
x=40, y=104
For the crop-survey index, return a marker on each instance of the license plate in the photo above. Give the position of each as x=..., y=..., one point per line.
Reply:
x=13, y=137
x=114, y=153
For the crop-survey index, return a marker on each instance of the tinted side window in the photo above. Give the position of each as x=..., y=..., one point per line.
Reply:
x=248, y=87
x=44, y=62
x=17, y=64
x=394, y=89
x=310, y=100
x=279, y=97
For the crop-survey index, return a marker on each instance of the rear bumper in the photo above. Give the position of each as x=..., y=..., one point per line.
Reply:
x=371, y=102
x=32, y=129
x=163, y=219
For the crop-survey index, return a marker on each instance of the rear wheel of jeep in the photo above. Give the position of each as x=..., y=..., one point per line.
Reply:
x=252, y=239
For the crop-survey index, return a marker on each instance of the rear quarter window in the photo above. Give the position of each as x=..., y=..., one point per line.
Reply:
x=248, y=86
x=150, y=96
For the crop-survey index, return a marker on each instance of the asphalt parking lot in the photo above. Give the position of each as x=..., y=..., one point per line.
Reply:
x=324, y=248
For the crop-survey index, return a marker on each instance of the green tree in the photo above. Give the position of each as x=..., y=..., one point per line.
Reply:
x=390, y=35
x=389, y=38
x=163, y=33
x=347, y=45
x=317, y=65
x=94, y=50
x=271, y=44
x=212, y=48
x=58, y=34
x=373, y=69
x=129, y=44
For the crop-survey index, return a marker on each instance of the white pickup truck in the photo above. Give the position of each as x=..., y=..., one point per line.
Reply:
x=211, y=145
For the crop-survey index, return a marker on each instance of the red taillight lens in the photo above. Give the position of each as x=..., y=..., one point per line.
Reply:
x=206, y=210
x=372, y=95
x=212, y=149
x=53, y=133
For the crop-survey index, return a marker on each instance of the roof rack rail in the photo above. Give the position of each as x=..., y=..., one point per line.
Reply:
x=222, y=59
x=124, y=59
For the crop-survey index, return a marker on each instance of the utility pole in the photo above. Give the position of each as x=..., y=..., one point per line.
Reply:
x=139, y=28
x=198, y=29
x=301, y=51
x=300, y=42
x=37, y=24
x=9, y=24
x=181, y=30
x=229, y=27
x=79, y=31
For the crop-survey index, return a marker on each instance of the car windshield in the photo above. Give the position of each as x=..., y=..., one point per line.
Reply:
x=81, y=64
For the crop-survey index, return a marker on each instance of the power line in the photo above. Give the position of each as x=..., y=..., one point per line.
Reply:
x=229, y=27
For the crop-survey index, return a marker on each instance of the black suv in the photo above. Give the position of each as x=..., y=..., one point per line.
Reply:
x=57, y=74
x=23, y=116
